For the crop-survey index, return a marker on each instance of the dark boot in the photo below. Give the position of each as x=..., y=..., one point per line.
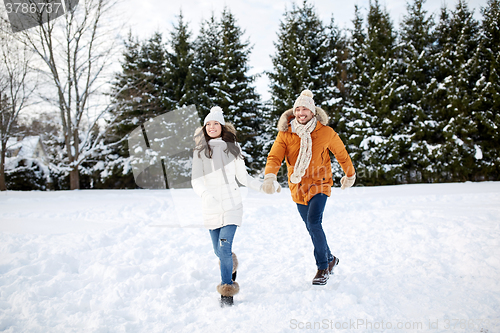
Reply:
x=332, y=264
x=321, y=277
x=226, y=301
x=227, y=292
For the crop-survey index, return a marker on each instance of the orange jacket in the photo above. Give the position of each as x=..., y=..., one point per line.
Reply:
x=318, y=176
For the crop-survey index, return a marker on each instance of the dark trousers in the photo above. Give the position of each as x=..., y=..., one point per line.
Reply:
x=312, y=214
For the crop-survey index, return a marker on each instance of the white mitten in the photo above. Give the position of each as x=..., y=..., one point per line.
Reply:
x=347, y=182
x=277, y=186
x=269, y=184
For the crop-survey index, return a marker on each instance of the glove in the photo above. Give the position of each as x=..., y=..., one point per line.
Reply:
x=277, y=186
x=270, y=184
x=347, y=182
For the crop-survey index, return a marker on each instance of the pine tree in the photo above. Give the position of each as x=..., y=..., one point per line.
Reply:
x=153, y=71
x=302, y=60
x=179, y=59
x=416, y=43
x=435, y=95
x=486, y=105
x=357, y=84
x=237, y=95
x=138, y=94
x=334, y=75
x=333, y=78
x=219, y=76
x=114, y=171
x=379, y=124
x=455, y=156
x=204, y=75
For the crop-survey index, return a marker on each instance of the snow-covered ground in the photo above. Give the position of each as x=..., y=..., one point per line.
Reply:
x=412, y=258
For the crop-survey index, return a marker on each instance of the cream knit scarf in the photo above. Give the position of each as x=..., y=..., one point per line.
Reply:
x=305, y=152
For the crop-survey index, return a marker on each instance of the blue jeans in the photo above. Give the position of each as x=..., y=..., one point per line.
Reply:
x=222, y=240
x=312, y=214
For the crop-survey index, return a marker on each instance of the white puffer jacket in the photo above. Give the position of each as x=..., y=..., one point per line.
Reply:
x=215, y=183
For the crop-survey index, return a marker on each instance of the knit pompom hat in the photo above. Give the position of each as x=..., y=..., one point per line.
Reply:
x=215, y=114
x=305, y=99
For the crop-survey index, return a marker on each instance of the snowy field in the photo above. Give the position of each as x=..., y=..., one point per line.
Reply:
x=413, y=258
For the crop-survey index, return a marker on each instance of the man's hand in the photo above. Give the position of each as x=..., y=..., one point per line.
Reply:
x=347, y=182
x=270, y=184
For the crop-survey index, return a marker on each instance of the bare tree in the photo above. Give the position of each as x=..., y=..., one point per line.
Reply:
x=75, y=52
x=15, y=90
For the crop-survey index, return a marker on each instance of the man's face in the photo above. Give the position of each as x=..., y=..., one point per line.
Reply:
x=303, y=114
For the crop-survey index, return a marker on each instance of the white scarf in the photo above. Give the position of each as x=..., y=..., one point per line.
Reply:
x=219, y=156
x=305, y=152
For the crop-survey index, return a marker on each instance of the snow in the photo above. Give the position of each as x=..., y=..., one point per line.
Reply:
x=424, y=257
x=479, y=153
x=27, y=146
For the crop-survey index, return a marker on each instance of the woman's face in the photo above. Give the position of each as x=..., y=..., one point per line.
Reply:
x=213, y=128
x=303, y=114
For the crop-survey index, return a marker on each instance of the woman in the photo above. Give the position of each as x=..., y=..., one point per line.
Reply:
x=217, y=162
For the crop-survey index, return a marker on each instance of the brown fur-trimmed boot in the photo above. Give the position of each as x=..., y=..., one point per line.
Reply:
x=227, y=291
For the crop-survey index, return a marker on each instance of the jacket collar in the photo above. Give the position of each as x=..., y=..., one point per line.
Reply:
x=287, y=116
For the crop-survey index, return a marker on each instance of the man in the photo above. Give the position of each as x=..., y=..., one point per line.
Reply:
x=305, y=140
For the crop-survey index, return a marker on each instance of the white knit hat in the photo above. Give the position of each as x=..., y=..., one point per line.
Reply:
x=305, y=99
x=215, y=114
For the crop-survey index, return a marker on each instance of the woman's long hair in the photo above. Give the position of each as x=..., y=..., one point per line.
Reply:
x=227, y=136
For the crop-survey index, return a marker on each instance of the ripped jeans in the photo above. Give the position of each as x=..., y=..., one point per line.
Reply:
x=222, y=240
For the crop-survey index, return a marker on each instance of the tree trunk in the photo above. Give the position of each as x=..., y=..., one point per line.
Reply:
x=3, y=186
x=74, y=179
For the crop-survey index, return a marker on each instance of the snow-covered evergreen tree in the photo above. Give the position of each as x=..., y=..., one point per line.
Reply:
x=303, y=60
x=334, y=76
x=357, y=83
x=416, y=73
x=238, y=95
x=205, y=73
x=138, y=95
x=219, y=76
x=435, y=94
x=457, y=36
x=486, y=103
x=179, y=58
x=375, y=96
